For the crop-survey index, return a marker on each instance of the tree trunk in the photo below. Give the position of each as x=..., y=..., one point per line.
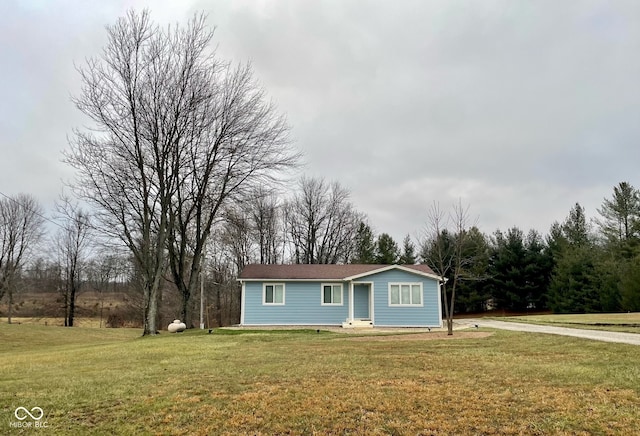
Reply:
x=218, y=308
x=10, y=292
x=101, y=304
x=189, y=289
x=72, y=305
x=450, y=315
x=151, y=309
x=185, y=292
x=64, y=289
x=447, y=310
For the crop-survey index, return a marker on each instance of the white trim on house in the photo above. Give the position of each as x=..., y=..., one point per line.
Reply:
x=296, y=324
x=372, y=312
x=440, y=302
x=349, y=278
x=400, y=285
x=264, y=293
x=293, y=280
x=242, y=300
x=390, y=267
x=372, y=302
x=332, y=284
x=351, y=301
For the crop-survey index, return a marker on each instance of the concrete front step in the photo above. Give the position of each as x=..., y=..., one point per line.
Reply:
x=358, y=323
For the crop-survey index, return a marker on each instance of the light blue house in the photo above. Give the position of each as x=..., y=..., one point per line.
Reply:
x=347, y=295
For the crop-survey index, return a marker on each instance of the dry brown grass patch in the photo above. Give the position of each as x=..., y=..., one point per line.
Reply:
x=424, y=336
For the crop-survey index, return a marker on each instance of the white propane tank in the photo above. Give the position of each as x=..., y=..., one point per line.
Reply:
x=176, y=326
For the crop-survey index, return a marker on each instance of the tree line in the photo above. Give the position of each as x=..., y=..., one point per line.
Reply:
x=580, y=265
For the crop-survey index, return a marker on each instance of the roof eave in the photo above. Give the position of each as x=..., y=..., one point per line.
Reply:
x=348, y=278
x=271, y=279
x=390, y=267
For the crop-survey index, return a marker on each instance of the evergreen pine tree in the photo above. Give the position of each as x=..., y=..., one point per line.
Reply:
x=507, y=270
x=630, y=285
x=575, y=228
x=473, y=294
x=538, y=267
x=365, y=245
x=388, y=252
x=408, y=256
x=584, y=279
x=620, y=223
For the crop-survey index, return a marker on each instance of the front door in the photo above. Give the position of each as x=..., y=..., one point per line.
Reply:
x=361, y=303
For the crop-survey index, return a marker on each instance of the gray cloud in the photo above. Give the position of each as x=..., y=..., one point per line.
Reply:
x=520, y=109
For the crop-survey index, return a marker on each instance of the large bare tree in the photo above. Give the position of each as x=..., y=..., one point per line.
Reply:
x=243, y=145
x=139, y=100
x=21, y=228
x=176, y=133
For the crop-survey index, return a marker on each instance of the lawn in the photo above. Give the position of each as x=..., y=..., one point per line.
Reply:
x=111, y=381
x=617, y=322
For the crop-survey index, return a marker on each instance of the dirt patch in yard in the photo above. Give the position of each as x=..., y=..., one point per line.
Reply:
x=424, y=336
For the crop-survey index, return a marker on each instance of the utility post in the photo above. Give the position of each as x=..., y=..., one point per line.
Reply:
x=202, y=290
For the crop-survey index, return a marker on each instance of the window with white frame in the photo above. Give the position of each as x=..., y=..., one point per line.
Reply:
x=332, y=294
x=405, y=294
x=273, y=293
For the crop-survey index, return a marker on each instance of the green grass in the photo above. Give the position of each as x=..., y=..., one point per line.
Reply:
x=616, y=322
x=111, y=381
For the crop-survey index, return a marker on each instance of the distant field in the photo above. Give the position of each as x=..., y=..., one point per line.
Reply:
x=57, y=322
x=111, y=381
x=34, y=306
x=619, y=322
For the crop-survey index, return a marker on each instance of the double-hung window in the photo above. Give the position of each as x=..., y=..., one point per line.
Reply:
x=332, y=294
x=405, y=294
x=273, y=293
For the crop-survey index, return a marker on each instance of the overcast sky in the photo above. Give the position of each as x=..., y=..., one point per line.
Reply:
x=518, y=108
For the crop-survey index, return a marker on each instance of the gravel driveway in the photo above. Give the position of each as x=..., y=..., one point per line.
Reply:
x=596, y=335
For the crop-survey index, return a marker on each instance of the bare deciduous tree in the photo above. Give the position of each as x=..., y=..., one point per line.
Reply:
x=322, y=223
x=267, y=226
x=177, y=132
x=252, y=230
x=72, y=244
x=235, y=237
x=443, y=250
x=243, y=145
x=138, y=97
x=21, y=228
